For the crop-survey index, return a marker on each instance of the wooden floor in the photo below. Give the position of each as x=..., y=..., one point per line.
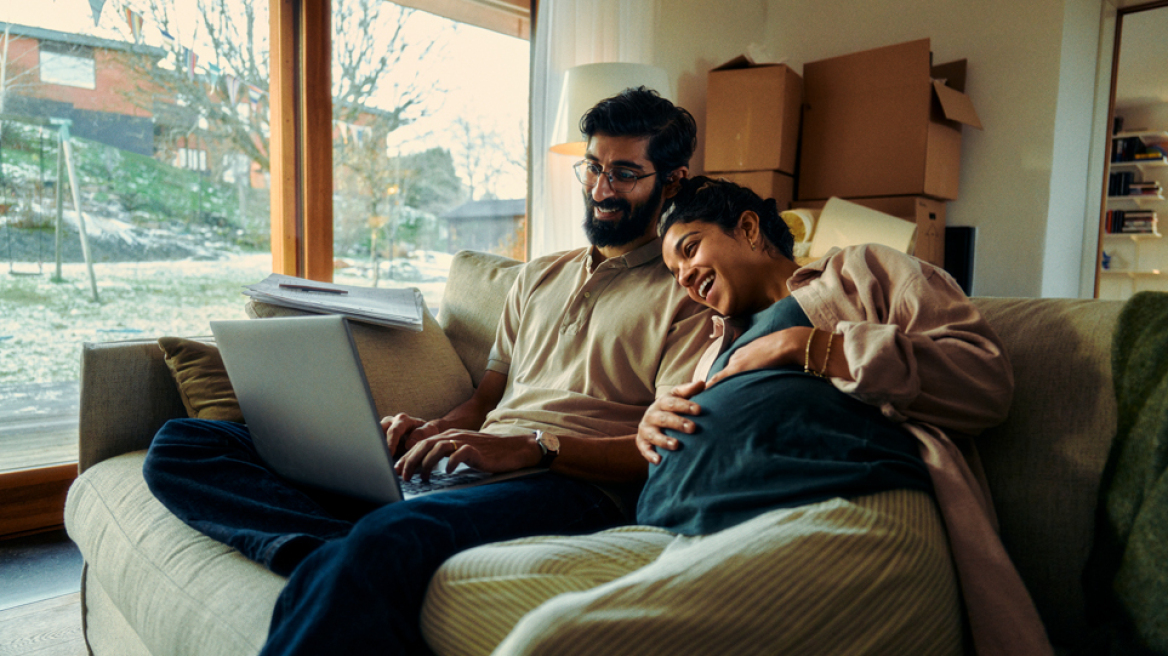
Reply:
x=45, y=628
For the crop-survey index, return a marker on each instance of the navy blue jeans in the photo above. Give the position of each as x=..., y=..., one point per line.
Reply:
x=357, y=575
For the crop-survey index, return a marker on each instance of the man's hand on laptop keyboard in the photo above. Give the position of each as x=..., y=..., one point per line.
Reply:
x=483, y=451
x=403, y=431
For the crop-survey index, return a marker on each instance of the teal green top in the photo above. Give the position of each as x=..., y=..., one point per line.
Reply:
x=774, y=438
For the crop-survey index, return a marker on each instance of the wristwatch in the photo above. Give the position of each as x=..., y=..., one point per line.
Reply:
x=549, y=445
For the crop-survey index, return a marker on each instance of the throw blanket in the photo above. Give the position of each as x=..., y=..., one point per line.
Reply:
x=1126, y=577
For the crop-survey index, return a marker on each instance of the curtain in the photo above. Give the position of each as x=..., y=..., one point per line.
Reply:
x=570, y=33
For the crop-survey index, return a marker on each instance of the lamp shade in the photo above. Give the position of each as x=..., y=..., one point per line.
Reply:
x=586, y=85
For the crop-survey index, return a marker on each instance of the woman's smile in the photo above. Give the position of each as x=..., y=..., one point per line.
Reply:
x=703, y=288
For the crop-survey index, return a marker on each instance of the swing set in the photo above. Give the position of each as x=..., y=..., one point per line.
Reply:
x=59, y=128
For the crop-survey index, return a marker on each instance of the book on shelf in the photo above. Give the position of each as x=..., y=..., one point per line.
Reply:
x=1125, y=222
x=396, y=308
x=1119, y=183
x=1133, y=149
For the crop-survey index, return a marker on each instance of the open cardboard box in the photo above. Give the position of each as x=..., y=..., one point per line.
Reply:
x=752, y=116
x=883, y=122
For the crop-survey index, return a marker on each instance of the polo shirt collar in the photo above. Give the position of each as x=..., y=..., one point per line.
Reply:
x=646, y=254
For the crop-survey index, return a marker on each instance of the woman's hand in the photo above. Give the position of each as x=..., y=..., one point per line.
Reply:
x=666, y=412
x=778, y=348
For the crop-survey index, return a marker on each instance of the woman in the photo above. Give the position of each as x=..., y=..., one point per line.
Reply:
x=791, y=495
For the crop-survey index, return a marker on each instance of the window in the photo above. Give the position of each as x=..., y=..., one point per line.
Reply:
x=68, y=65
x=429, y=142
x=169, y=153
x=196, y=160
x=179, y=99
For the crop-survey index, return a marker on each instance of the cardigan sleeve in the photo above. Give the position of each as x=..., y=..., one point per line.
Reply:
x=916, y=346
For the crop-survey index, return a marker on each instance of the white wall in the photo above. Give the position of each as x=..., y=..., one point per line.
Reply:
x=1066, y=223
x=1027, y=82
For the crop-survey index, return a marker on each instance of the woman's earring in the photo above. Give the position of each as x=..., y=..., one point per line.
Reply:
x=752, y=245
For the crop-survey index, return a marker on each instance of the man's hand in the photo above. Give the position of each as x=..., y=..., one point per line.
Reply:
x=666, y=412
x=483, y=451
x=402, y=431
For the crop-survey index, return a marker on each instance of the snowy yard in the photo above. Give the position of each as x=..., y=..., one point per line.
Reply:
x=43, y=323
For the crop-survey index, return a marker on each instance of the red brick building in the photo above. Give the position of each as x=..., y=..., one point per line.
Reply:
x=85, y=79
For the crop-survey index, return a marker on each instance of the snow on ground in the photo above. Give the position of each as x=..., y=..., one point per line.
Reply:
x=44, y=323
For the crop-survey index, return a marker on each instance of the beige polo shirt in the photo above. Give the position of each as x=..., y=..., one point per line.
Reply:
x=585, y=353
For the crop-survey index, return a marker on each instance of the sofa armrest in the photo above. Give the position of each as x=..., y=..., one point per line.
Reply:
x=127, y=394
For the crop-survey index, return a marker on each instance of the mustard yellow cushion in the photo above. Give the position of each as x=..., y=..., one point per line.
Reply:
x=201, y=378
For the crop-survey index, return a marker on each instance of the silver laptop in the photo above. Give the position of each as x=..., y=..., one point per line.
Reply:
x=307, y=403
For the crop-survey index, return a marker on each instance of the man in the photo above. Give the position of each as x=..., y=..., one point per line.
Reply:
x=578, y=357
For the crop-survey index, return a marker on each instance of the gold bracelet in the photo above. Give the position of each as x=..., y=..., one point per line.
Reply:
x=807, y=356
x=826, y=356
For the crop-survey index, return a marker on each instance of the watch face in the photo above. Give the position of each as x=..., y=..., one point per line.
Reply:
x=549, y=442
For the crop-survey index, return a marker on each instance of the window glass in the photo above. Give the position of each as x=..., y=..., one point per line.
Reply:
x=60, y=64
x=429, y=134
x=163, y=107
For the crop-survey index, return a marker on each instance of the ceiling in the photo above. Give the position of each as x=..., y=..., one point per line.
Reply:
x=1143, y=59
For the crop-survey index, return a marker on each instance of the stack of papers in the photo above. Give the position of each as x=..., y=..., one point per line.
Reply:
x=396, y=308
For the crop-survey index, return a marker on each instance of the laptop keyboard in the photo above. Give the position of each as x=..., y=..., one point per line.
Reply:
x=440, y=480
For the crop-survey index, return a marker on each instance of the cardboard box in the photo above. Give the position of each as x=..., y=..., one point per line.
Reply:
x=768, y=184
x=876, y=123
x=752, y=117
x=927, y=213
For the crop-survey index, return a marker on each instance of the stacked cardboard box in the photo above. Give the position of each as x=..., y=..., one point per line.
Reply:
x=882, y=128
x=752, y=126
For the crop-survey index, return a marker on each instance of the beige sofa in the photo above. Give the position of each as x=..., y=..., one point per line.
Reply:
x=151, y=585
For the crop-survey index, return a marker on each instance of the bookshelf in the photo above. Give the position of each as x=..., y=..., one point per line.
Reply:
x=1137, y=239
x=1142, y=165
x=1138, y=201
x=1146, y=136
x=1136, y=195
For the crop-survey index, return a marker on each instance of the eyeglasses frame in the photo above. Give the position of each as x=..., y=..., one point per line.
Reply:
x=609, y=174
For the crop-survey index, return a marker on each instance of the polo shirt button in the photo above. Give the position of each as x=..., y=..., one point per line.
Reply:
x=587, y=294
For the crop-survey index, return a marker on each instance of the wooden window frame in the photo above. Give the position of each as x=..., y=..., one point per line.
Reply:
x=300, y=89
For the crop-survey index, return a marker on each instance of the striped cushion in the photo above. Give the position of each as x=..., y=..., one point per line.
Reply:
x=869, y=575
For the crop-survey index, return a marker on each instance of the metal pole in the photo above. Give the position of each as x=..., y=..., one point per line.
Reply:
x=64, y=128
x=58, y=191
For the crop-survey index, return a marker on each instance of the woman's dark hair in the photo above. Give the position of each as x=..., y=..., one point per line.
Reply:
x=721, y=202
x=642, y=112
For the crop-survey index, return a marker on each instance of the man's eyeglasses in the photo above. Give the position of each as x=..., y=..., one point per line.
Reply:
x=622, y=180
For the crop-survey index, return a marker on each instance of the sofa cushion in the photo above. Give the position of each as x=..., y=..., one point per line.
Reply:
x=201, y=378
x=1043, y=464
x=475, y=292
x=418, y=373
x=180, y=591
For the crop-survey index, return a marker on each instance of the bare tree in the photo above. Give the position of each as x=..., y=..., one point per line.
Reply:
x=197, y=102
x=485, y=153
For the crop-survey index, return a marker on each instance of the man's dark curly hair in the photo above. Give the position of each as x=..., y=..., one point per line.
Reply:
x=721, y=202
x=642, y=112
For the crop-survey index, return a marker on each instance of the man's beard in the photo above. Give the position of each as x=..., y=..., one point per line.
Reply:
x=634, y=221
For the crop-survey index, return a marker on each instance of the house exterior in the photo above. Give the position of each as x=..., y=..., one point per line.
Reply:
x=496, y=226
x=87, y=80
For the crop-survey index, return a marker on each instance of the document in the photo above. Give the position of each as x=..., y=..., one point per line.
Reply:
x=842, y=224
x=396, y=308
